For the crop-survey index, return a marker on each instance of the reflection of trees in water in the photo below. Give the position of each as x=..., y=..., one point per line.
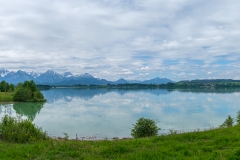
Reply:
x=29, y=110
x=210, y=90
x=6, y=109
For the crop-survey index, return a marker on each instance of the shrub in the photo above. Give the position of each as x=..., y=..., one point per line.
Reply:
x=228, y=122
x=144, y=127
x=20, y=131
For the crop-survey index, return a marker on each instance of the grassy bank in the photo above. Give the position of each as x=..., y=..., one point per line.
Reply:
x=6, y=97
x=223, y=143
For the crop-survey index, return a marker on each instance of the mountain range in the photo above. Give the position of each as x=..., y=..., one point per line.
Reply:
x=53, y=78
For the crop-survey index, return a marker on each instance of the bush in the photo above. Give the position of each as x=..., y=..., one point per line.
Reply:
x=20, y=131
x=145, y=128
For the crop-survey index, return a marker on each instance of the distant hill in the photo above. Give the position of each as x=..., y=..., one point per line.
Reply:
x=120, y=81
x=151, y=81
x=157, y=81
x=209, y=81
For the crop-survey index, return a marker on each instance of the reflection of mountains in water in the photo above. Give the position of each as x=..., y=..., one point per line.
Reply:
x=156, y=92
x=67, y=94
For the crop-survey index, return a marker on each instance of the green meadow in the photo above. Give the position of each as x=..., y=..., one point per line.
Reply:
x=221, y=143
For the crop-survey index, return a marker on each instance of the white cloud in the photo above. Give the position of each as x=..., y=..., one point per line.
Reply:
x=126, y=71
x=146, y=68
x=109, y=36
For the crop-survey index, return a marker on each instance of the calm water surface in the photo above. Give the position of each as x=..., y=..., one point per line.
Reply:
x=103, y=113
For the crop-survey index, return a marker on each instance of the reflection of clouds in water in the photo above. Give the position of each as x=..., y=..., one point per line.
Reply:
x=209, y=99
x=6, y=109
x=68, y=94
x=112, y=114
x=192, y=98
x=236, y=93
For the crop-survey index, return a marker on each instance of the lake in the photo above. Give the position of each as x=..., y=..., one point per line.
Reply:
x=104, y=114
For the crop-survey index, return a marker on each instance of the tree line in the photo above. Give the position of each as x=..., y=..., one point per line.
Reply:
x=6, y=87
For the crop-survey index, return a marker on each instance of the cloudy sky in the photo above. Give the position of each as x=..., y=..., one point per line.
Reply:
x=132, y=39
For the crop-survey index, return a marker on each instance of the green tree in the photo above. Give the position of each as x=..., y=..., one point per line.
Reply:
x=11, y=88
x=21, y=95
x=5, y=87
x=144, y=127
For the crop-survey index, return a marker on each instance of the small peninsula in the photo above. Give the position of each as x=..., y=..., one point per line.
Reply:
x=23, y=92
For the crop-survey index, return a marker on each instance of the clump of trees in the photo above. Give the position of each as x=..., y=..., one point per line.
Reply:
x=6, y=87
x=28, y=92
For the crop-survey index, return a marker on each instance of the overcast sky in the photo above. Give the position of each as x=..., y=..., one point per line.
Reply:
x=132, y=39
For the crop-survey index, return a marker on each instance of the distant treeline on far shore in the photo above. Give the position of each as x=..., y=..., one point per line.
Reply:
x=207, y=83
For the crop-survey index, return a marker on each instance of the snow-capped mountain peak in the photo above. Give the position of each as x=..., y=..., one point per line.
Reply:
x=3, y=72
x=51, y=72
x=50, y=76
x=67, y=74
x=34, y=74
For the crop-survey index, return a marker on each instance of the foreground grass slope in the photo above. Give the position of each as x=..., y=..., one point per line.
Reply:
x=223, y=143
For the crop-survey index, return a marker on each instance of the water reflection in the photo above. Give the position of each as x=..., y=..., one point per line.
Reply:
x=6, y=109
x=210, y=90
x=30, y=110
x=110, y=113
x=67, y=94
